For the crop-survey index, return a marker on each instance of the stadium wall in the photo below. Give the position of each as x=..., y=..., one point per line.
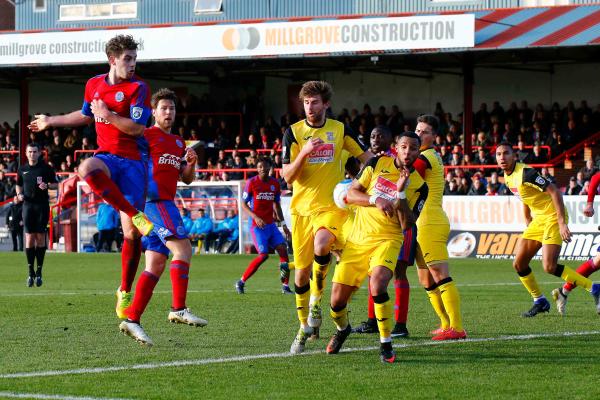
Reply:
x=182, y=11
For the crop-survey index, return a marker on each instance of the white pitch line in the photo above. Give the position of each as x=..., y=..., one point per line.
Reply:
x=14, y=395
x=207, y=361
x=111, y=293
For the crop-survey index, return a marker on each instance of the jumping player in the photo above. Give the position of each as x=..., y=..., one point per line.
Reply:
x=119, y=103
x=260, y=199
x=169, y=234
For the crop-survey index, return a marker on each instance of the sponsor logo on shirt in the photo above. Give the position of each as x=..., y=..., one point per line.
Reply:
x=323, y=154
x=265, y=196
x=385, y=189
x=169, y=159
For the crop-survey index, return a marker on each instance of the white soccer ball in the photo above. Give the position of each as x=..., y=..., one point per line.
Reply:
x=340, y=192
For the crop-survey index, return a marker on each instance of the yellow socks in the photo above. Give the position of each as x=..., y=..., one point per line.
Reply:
x=302, y=295
x=574, y=277
x=435, y=298
x=383, y=313
x=451, y=300
x=528, y=280
x=340, y=318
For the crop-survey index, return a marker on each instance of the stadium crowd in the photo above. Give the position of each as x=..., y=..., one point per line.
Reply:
x=539, y=134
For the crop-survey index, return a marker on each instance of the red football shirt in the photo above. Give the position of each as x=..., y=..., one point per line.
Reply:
x=261, y=195
x=165, y=163
x=129, y=99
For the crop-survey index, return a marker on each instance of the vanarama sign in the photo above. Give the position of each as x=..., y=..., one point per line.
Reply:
x=247, y=40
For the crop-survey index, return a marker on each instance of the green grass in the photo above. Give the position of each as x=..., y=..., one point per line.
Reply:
x=69, y=323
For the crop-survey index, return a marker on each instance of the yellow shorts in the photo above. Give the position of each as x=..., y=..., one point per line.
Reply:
x=432, y=244
x=544, y=230
x=304, y=230
x=358, y=260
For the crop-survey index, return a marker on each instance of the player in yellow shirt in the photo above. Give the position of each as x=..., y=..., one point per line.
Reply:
x=546, y=219
x=312, y=163
x=382, y=191
x=433, y=229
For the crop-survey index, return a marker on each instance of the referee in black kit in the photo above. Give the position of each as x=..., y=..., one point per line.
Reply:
x=33, y=181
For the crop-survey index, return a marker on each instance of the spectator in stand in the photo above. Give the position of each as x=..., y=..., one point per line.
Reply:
x=579, y=178
x=239, y=143
x=585, y=189
x=252, y=142
x=500, y=188
x=482, y=140
x=202, y=227
x=251, y=159
x=452, y=188
x=456, y=158
x=464, y=186
x=368, y=118
x=482, y=118
x=466, y=160
x=491, y=190
x=573, y=188
x=477, y=188
x=588, y=170
x=3, y=182
x=264, y=142
x=497, y=113
x=277, y=163
x=14, y=223
x=277, y=145
x=238, y=163
x=445, y=155
x=395, y=120
x=224, y=160
x=552, y=141
x=538, y=156
x=545, y=172
x=522, y=153
x=72, y=142
x=571, y=134
x=482, y=157
x=526, y=112
x=55, y=152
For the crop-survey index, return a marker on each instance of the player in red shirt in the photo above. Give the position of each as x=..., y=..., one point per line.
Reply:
x=590, y=266
x=260, y=201
x=119, y=104
x=169, y=159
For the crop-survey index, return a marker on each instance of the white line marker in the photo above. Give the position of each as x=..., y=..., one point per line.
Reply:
x=13, y=395
x=280, y=355
x=274, y=290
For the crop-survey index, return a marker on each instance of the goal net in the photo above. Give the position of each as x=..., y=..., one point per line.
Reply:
x=216, y=198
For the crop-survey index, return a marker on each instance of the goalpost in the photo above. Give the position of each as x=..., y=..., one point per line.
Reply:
x=216, y=198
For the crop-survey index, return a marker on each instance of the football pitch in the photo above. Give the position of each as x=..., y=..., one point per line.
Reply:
x=61, y=341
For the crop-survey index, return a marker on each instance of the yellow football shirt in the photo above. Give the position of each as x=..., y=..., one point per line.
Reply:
x=526, y=183
x=433, y=213
x=379, y=177
x=323, y=168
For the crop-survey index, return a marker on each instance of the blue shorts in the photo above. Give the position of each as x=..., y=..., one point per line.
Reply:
x=130, y=176
x=266, y=238
x=167, y=224
x=409, y=247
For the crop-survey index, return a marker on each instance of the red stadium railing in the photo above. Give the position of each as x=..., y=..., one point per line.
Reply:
x=572, y=152
x=245, y=171
x=490, y=166
x=44, y=152
x=249, y=150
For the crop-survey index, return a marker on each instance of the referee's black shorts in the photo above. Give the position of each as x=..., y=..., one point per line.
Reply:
x=35, y=217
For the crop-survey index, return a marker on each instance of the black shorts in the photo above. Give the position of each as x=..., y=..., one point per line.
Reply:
x=35, y=217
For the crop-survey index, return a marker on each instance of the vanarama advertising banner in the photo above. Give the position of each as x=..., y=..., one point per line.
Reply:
x=246, y=40
x=489, y=227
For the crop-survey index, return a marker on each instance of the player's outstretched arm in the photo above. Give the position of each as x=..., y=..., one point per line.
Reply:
x=188, y=174
x=559, y=205
x=73, y=119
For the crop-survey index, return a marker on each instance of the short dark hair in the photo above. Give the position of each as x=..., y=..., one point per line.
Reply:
x=265, y=160
x=430, y=120
x=316, y=88
x=36, y=145
x=118, y=44
x=507, y=144
x=408, y=134
x=383, y=129
x=163, y=94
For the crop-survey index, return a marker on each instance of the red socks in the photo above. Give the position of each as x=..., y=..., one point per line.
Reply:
x=179, y=282
x=142, y=296
x=371, y=303
x=130, y=258
x=104, y=187
x=402, y=295
x=253, y=266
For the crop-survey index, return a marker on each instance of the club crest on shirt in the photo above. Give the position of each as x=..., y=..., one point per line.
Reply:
x=40, y=180
x=330, y=136
x=323, y=154
x=119, y=96
x=136, y=112
x=178, y=143
x=180, y=230
x=273, y=188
